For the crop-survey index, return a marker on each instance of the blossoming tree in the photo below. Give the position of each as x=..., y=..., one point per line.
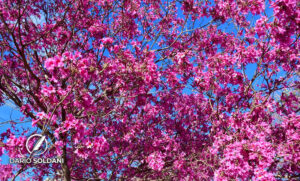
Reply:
x=153, y=89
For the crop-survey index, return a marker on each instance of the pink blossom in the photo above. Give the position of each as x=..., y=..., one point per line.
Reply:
x=54, y=62
x=156, y=161
x=107, y=40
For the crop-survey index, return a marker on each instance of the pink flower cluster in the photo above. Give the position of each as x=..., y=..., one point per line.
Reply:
x=107, y=40
x=55, y=62
x=153, y=89
x=156, y=161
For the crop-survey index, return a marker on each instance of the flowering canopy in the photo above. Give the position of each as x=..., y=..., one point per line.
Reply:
x=153, y=89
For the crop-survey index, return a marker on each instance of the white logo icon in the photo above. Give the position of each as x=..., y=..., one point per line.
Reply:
x=39, y=146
